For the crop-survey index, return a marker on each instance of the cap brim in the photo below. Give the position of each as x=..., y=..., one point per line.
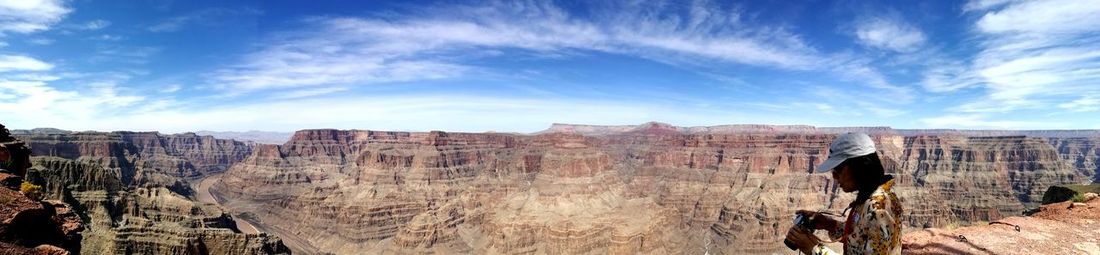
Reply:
x=829, y=164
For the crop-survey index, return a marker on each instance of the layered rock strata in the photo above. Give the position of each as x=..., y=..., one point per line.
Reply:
x=647, y=189
x=141, y=158
x=131, y=190
x=1058, y=228
x=650, y=189
x=29, y=225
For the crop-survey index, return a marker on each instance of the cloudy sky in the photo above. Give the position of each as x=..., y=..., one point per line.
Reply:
x=519, y=66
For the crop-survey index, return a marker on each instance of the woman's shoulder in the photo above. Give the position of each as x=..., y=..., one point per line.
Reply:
x=883, y=198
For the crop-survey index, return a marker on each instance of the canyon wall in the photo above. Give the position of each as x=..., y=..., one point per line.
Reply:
x=646, y=189
x=130, y=188
x=652, y=189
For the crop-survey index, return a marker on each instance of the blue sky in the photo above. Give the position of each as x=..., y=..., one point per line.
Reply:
x=178, y=66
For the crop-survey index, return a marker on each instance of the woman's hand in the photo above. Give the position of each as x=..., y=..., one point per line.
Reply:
x=802, y=239
x=820, y=220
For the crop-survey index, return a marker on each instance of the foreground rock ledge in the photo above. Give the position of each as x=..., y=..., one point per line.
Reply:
x=1059, y=228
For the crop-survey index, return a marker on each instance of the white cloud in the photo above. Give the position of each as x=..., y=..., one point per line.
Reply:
x=981, y=5
x=171, y=88
x=95, y=25
x=978, y=121
x=889, y=33
x=1089, y=103
x=30, y=98
x=1032, y=55
x=10, y=63
x=1043, y=17
x=860, y=71
x=456, y=113
x=41, y=41
x=948, y=78
x=302, y=93
x=25, y=16
x=210, y=16
x=346, y=51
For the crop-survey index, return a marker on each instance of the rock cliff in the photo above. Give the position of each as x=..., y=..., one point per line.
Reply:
x=131, y=190
x=652, y=188
x=28, y=224
x=647, y=189
x=1057, y=228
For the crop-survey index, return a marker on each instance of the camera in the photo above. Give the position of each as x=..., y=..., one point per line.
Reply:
x=800, y=221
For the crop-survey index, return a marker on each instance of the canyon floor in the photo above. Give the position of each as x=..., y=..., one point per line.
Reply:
x=203, y=195
x=246, y=222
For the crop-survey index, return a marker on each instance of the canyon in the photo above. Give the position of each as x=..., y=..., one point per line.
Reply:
x=652, y=188
x=130, y=189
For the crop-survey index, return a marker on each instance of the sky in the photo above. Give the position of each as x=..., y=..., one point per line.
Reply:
x=519, y=66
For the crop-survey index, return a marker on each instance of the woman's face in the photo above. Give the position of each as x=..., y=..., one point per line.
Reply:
x=843, y=176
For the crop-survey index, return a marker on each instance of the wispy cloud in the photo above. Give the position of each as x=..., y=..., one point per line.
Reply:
x=22, y=63
x=88, y=26
x=30, y=98
x=1088, y=103
x=308, y=93
x=950, y=77
x=171, y=88
x=30, y=16
x=982, y=5
x=459, y=113
x=208, y=16
x=1032, y=55
x=342, y=51
x=41, y=41
x=980, y=121
x=890, y=33
x=95, y=24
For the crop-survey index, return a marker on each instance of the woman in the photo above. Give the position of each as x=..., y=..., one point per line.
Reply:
x=873, y=224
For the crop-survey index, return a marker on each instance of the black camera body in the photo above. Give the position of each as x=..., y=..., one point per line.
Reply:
x=800, y=221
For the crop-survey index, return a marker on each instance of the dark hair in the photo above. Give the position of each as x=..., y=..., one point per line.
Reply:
x=868, y=173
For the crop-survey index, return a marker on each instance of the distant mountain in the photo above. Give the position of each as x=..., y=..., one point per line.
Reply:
x=650, y=127
x=265, y=137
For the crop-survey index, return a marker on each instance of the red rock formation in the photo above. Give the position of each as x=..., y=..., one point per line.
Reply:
x=28, y=225
x=141, y=158
x=1059, y=228
x=129, y=185
x=652, y=188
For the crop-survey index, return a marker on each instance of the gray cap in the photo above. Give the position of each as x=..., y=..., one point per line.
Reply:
x=847, y=146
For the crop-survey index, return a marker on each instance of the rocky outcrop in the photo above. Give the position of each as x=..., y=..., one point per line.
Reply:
x=1061, y=193
x=131, y=190
x=143, y=158
x=29, y=225
x=1058, y=228
x=652, y=188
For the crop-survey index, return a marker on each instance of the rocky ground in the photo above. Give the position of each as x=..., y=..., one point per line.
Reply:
x=1059, y=228
x=29, y=226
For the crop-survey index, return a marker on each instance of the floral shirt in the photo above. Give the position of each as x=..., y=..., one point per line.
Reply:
x=872, y=228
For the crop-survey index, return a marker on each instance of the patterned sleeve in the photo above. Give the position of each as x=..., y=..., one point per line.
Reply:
x=879, y=230
x=822, y=250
